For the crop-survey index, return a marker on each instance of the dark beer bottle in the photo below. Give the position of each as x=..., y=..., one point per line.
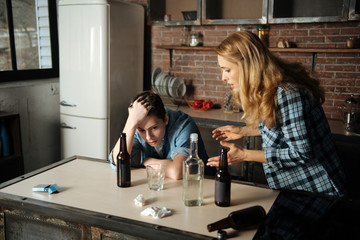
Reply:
x=223, y=181
x=123, y=164
x=240, y=219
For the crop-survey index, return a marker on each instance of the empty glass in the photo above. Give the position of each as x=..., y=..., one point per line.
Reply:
x=156, y=176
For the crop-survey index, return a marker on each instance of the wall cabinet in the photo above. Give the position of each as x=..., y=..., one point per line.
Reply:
x=12, y=165
x=284, y=11
x=234, y=12
x=209, y=12
x=354, y=10
x=158, y=8
x=217, y=12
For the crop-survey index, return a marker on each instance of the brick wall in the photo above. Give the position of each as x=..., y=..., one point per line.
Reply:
x=339, y=73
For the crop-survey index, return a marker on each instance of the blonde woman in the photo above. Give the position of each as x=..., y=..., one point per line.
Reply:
x=282, y=103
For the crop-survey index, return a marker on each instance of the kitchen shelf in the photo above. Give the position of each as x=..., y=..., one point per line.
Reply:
x=175, y=47
x=318, y=50
x=186, y=48
x=314, y=51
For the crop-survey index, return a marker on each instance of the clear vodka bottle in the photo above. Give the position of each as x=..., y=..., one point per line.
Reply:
x=193, y=175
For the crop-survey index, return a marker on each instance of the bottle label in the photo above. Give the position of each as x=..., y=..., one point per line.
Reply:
x=124, y=175
x=220, y=191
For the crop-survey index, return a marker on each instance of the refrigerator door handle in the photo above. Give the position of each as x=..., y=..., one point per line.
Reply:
x=66, y=104
x=64, y=125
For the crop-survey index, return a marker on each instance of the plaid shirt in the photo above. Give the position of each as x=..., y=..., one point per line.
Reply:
x=295, y=214
x=300, y=151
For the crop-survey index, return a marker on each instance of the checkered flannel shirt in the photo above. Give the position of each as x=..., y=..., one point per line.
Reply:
x=294, y=214
x=300, y=151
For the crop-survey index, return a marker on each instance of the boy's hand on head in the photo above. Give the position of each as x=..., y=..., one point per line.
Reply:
x=138, y=111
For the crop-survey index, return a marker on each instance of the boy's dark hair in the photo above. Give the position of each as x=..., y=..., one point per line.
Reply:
x=152, y=100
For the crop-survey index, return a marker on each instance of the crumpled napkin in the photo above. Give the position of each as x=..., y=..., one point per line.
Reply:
x=139, y=200
x=156, y=212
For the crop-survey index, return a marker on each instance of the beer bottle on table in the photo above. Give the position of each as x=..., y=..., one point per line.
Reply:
x=240, y=219
x=123, y=164
x=223, y=181
x=193, y=175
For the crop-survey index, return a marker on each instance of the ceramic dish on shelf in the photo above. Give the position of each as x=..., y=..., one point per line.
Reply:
x=167, y=85
x=170, y=86
x=157, y=82
x=178, y=87
x=181, y=89
x=156, y=72
x=163, y=84
x=156, y=78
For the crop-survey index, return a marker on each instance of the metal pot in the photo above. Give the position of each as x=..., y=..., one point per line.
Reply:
x=351, y=118
x=352, y=122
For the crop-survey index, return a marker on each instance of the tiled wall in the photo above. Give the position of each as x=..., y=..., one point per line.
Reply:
x=339, y=72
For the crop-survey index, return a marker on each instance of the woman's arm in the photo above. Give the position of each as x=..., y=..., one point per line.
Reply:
x=237, y=154
x=289, y=144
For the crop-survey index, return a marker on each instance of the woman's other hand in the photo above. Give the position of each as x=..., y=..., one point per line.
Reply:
x=228, y=133
x=236, y=154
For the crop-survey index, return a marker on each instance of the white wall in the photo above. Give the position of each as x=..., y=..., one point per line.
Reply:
x=37, y=102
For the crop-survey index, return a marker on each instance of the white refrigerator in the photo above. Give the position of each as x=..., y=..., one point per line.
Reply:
x=101, y=50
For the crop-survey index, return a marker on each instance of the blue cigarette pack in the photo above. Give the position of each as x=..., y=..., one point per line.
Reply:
x=49, y=188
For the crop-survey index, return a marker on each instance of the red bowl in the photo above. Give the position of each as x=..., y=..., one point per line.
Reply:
x=200, y=105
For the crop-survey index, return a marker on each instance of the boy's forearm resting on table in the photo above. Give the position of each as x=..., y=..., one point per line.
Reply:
x=173, y=167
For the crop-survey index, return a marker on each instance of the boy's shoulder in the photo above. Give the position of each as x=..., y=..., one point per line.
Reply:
x=176, y=115
x=179, y=120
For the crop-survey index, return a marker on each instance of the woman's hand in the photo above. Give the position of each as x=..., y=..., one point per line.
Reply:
x=228, y=133
x=236, y=154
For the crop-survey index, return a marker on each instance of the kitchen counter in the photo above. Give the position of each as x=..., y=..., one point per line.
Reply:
x=88, y=195
x=210, y=115
x=216, y=117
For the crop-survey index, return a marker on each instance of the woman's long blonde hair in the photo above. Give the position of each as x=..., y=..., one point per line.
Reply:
x=260, y=74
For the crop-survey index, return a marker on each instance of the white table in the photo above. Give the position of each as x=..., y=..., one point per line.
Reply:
x=88, y=187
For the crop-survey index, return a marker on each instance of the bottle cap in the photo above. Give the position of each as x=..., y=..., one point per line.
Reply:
x=194, y=137
x=221, y=234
